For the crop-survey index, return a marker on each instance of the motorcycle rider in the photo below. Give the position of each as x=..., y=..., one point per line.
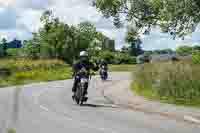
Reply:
x=103, y=65
x=83, y=62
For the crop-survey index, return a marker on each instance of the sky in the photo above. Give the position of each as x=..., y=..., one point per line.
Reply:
x=19, y=18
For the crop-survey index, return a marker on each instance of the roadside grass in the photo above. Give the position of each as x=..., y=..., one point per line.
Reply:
x=11, y=130
x=173, y=83
x=122, y=68
x=29, y=71
x=151, y=95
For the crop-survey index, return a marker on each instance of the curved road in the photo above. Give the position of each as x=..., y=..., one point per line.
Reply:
x=48, y=108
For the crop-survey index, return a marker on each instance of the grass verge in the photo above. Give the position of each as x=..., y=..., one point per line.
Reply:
x=11, y=130
x=173, y=83
x=29, y=71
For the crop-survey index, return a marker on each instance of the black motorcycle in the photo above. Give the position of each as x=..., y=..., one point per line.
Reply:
x=103, y=73
x=83, y=79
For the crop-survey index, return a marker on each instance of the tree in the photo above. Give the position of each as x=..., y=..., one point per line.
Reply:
x=178, y=17
x=125, y=49
x=135, y=43
x=31, y=49
x=184, y=50
x=196, y=48
x=107, y=55
x=5, y=47
x=88, y=36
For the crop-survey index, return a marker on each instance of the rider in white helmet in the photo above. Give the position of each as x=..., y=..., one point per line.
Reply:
x=83, y=62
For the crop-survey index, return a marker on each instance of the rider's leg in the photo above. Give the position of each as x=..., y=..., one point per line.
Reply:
x=75, y=85
x=86, y=88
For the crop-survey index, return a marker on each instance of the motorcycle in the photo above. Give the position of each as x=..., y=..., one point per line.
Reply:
x=103, y=73
x=79, y=95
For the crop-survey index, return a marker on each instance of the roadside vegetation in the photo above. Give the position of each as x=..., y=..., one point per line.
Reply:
x=122, y=68
x=11, y=130
x=171, y=82
x=23, y=71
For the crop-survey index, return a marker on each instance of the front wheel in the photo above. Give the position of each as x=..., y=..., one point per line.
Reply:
x=77, y=101
x=78, y=94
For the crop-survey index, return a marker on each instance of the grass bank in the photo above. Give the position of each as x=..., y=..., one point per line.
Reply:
x=174, y=83
x=23, y=71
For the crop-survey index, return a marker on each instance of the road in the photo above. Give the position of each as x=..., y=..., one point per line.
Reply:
x=48, y=108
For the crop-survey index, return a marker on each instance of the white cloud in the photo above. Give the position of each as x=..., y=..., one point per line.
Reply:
x=4, y=3
x=30, y=20
x=33, y=4
x=158, y=40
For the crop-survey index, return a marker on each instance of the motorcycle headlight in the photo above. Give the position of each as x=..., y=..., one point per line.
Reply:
x=84, y=80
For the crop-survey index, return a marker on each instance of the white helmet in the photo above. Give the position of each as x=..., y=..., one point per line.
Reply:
x=83, y=53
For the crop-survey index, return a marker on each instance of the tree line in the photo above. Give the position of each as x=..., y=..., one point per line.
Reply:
x=62, y=41
x=58, y=40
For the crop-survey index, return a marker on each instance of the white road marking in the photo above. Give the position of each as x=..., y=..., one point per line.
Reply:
x=102, y=129
x=44, y=108
x=190, y=118
x=36, y=97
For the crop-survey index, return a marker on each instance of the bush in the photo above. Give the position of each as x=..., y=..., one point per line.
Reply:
x=107, y=55
x=123, y=58
x=184, y=50
x=15, y=52
x=174, y=82
x=196, y=58
x=117, y=57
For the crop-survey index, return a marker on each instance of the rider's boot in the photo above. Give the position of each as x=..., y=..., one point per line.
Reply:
x=86, y=88
x=85, y=99
x=85, y=92
x=73, y=97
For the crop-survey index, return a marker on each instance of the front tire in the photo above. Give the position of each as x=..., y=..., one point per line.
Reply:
x=77, y=94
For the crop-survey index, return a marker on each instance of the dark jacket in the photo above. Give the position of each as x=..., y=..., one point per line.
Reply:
x=84, y=63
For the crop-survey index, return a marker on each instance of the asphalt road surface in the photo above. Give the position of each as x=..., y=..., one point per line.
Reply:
x=48, y=108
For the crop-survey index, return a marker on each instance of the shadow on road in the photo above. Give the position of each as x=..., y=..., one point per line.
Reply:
x=99, y=106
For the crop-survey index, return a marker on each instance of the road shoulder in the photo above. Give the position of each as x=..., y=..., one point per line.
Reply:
x=121, y=95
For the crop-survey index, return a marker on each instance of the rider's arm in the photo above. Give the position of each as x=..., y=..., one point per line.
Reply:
x=73, y=70
x=76, y=68
x=94, y=66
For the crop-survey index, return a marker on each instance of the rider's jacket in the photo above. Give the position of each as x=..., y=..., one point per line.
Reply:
x=86, y=64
